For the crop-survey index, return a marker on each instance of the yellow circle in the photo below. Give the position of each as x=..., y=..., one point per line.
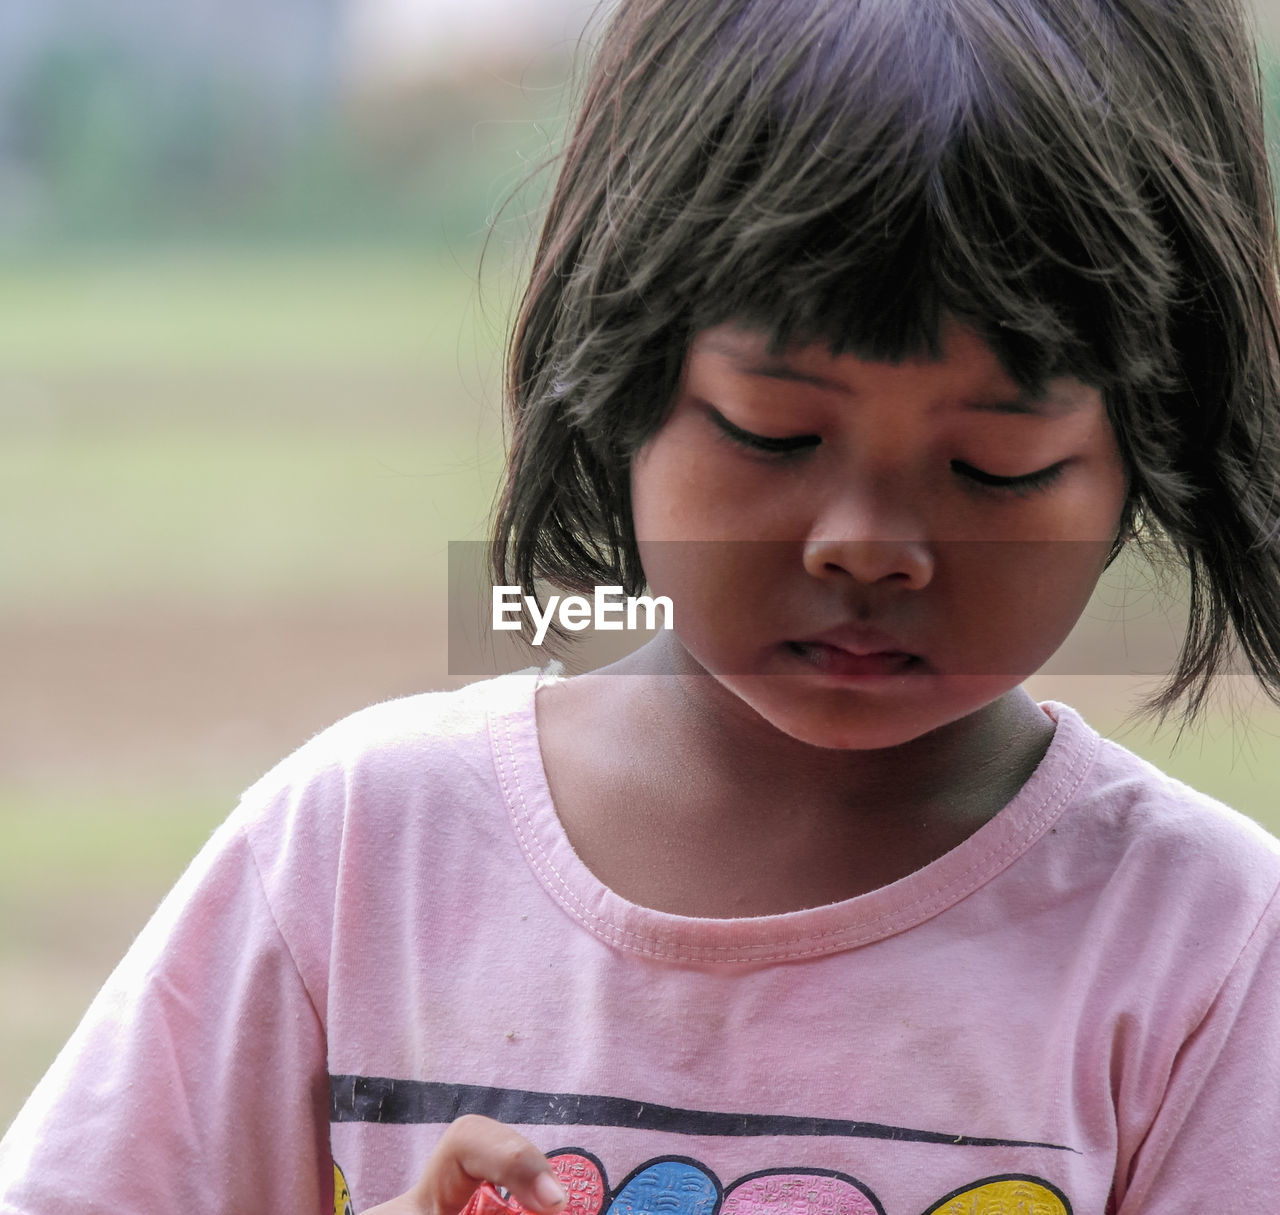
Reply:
x=1014, y=1196
x=341, y=1195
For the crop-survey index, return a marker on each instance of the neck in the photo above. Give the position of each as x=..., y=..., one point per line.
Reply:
x=681, y=798
x=953, y=778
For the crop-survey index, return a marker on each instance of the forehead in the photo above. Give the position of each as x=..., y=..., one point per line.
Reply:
x=966, y=367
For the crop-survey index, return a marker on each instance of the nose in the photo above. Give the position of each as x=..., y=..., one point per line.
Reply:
x=870, y=547
x=905, y=563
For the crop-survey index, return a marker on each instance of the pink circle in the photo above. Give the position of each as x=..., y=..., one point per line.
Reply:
x=797, y=1194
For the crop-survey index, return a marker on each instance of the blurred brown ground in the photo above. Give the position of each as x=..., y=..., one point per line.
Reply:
x=157, y=697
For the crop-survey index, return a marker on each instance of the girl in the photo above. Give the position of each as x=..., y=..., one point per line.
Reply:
x=868, y=332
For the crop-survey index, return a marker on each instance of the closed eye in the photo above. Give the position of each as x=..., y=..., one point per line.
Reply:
x=1028, y=483
x=768, y=444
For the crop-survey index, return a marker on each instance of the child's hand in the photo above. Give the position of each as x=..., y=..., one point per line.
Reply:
x=473, y=1150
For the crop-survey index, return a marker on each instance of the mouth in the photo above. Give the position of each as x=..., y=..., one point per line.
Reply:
x=838, y=661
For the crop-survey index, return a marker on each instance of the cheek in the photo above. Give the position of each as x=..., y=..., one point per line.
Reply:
x=663, y=493
x=728, y=596
x=1068, y=520
x=685, y=486
x=1099, y=505
x=1015, y=601
x=716, y=583
x=678, y=523
x=1099, y=510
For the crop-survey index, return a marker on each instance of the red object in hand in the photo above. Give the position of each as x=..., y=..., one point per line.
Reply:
x=487, y=1201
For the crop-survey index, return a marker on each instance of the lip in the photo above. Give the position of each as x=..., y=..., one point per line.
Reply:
x=858, y=640
x=855, y=652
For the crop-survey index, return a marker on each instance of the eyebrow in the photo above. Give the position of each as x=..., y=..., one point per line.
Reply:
x=1036, y=404
x=1030, y=404
x=769, y=367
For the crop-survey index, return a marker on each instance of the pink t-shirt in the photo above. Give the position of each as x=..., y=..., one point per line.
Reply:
x=1075, y=1011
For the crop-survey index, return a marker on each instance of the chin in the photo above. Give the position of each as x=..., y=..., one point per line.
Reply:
x=867, y=720
x=844, y=723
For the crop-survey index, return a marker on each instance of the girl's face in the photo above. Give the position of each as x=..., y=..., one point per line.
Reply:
x=864, y=552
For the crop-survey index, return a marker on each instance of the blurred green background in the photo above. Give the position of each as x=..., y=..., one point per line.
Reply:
x=248, y=392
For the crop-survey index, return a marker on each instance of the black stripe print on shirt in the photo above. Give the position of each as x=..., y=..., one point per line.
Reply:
x=378, y=1099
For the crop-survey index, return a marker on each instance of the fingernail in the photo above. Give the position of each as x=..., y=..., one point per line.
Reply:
x=550, y=1193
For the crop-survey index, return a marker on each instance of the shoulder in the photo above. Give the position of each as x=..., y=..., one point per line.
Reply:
x=1159, y=860
x=1127, y=803
x=375, y=780
x=1152, y=814
x=412, y=738
x=368, y=808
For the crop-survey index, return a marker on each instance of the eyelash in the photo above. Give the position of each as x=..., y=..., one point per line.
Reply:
x=1022, y=487
x=982, y=482
x=763, y=444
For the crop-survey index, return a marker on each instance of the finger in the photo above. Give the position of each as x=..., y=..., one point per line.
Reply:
x=406, y=1204
x=476, y=1149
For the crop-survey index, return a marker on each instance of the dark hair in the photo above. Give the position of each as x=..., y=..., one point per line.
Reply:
x=1083, y=181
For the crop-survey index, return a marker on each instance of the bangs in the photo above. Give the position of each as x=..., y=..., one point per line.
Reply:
x=1082, y=182
x=851, y=173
